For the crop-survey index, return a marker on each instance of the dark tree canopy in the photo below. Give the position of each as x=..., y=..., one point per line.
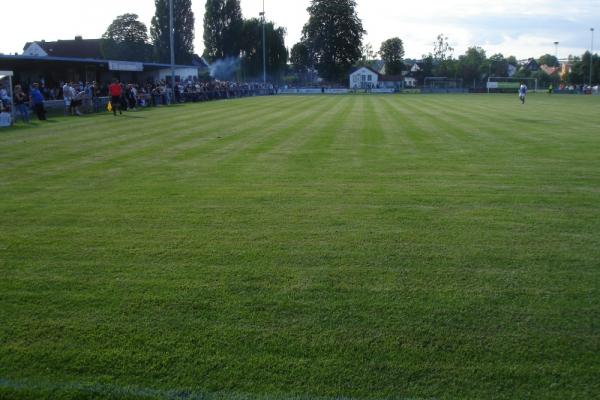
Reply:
x=300, y=57
x=127, y=28
x=252, y=58
x=223, y=25
x=333, y=35
x=472, y=65
x=183, y=23
x=127, y=39
x=392, y=53
x=498, y=65
x=549, y=60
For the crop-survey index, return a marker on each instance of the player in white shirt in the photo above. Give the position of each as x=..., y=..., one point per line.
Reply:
x=522, y=93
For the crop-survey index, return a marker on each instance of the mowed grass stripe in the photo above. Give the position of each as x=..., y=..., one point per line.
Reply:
x=299, y=134
x=408, y=124
x=315, y=156
x=238, y=133
x=149, y=130
x=297, y=127
x=261, y=141
x=359, y=254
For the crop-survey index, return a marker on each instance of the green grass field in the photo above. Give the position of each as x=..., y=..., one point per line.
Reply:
x=357, y=247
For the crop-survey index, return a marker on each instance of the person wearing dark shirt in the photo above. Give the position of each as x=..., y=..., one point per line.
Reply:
x=115, y=92
x=21, y=101
x=37, y=102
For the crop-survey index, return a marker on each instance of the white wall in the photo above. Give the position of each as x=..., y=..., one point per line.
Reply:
x=35, y=50
x=363, y=78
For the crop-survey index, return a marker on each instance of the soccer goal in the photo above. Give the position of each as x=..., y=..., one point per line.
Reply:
x=439, y=84
x=510, y=85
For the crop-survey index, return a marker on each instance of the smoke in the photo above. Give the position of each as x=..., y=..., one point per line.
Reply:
x=225, y=69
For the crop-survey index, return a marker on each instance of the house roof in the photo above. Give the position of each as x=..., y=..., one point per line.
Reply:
x=76, y=48
x=89, y=49
x=531, y=65
x=549, y=70
x=199, y=61
x=378, y=65
x=359, y=68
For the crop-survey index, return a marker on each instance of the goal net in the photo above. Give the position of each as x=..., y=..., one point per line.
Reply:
x=510, y=85
x=438, y=83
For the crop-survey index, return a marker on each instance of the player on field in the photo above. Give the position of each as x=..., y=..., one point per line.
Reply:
x=522, y=92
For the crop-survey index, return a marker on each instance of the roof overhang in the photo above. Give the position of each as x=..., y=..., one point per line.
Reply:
x=147, y=66
x=4, y=74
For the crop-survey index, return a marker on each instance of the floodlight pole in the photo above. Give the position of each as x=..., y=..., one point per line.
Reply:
x=172, y=45
x=591, y=55
x=264, y=45
x=556, y=50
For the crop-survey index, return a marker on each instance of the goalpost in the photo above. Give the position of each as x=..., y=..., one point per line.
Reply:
x=510, y=85
x=442, y=84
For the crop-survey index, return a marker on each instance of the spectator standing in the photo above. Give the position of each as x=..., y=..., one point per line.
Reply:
x=131, y=96
x=92, y=94
x=37, y=102
x=68, y=94
x=21, y=101
x=77, y=101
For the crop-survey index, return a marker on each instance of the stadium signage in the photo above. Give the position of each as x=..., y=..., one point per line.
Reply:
x=125, y=66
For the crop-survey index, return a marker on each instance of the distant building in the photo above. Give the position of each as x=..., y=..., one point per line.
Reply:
x=368, y=78
x=391, y=81
x=551, y=71
x=364, y=78
x=77, y=48
x=531, y=65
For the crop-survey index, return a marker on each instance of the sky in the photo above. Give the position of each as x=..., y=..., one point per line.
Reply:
x=501, y=26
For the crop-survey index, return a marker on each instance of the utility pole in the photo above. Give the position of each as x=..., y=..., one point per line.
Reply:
x=172, y=45
x=264, y=44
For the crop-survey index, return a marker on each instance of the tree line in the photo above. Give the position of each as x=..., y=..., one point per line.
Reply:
x=331, y=45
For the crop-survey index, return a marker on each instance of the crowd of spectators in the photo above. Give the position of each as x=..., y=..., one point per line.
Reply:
x=92, y=97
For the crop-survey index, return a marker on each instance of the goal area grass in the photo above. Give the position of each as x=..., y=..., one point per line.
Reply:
x=355, y=247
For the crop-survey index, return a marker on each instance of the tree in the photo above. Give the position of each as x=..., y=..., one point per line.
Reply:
x=300, y=57
x=126, y=39
x=472, y=65
x=426, y=69
x=549, y=60
x=441, y=49
x=183, y=23
x=127, y=28
x=580, y=69
x=252, y=58
x=223, y=26
x=497, y=65
x=333, y=35
x=392, y=53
